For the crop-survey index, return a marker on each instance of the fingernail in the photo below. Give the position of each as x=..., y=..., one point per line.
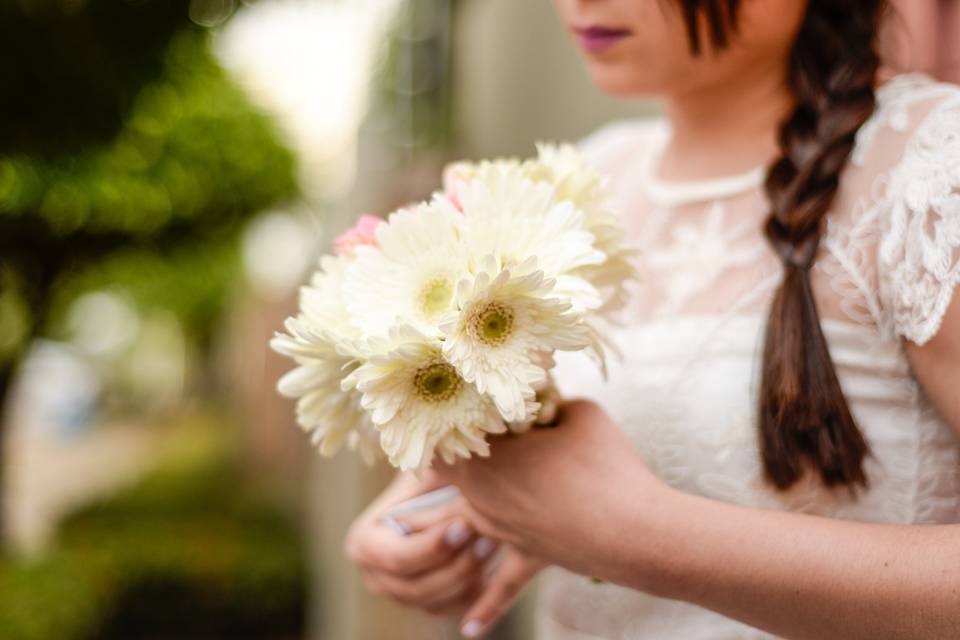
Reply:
x=472, y=629
x=456, y=534
x=483, y=547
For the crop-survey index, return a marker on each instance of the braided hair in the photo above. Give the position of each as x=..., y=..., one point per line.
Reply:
x=803, y=418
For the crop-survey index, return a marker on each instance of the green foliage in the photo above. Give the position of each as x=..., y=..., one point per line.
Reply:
x=72, y=68
x=191, y=151
x=192, y=281
x=43, y=603
x=14, y=316
x=191, y=552
x=130, y=161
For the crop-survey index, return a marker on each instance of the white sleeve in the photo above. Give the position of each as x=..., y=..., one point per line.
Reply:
x=919, y=252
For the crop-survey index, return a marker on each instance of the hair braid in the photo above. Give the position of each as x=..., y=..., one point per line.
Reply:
x=804, y=420
x=803, y=415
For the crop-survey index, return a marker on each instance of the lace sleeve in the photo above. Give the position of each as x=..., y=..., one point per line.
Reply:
x=919, y=252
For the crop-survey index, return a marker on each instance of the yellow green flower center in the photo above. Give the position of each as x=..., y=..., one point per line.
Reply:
x=436, y=296
x=491, y=324
x=437, y=382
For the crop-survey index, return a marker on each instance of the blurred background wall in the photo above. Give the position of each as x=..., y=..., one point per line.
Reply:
x=169, y=172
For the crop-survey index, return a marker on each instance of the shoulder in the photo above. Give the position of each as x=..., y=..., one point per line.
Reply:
x=620, y=143
x=913, y=144
x=910, y=108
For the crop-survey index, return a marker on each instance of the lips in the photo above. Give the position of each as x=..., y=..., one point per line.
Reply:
x=597, y=39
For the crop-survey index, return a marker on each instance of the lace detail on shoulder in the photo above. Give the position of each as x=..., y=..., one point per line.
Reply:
x=894, y=102
x=892, y=241
x=918, y=257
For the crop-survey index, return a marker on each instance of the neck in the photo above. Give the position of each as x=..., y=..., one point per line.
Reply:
x=727, y=127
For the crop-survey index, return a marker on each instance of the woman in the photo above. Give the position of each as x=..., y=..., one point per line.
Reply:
x=785, y=415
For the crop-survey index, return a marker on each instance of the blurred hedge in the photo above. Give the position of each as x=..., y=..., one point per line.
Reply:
x=128, y=160
x=192, y=552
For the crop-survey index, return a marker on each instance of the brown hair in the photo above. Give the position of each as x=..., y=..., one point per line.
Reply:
x=804, y=420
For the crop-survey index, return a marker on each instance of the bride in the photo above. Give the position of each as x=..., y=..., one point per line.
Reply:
x=776, y=453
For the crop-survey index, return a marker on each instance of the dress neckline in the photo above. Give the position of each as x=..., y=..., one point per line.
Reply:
x=674, y=193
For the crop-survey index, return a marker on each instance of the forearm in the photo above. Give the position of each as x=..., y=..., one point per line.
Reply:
x=798, y=576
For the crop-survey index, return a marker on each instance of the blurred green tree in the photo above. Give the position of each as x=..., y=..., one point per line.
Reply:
x=128, y=161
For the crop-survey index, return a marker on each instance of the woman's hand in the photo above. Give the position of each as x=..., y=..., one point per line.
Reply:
x=500, y=592
x=438, y=567
x=564, y=495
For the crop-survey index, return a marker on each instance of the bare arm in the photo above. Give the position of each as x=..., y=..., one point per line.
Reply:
x=937, y=365
x=808, y=577
x=803, y=576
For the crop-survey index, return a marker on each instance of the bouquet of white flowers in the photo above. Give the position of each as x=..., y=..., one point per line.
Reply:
x=436, y=327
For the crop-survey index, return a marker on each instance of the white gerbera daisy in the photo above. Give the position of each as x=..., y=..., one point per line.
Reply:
x=323, y=303
x=420, y=404
x=457, y=175
x=507, y=320
x=577, y=181
x=569, y=171
x=513, y=218
x=412, y=274
x=331, y=416
x=321, y=341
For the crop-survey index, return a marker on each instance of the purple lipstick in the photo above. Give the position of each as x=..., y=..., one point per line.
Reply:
x=599, y=39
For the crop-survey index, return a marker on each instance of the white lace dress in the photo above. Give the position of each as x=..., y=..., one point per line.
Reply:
x=686, y=385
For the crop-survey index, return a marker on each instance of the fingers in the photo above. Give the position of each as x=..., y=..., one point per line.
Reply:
x=446, y=473
x=499, y=594
x=405, y=486
x=458, y=509
x=579, y=408
x=420, y=520
x=442, y=588
x=382, y=549
x=454, y=607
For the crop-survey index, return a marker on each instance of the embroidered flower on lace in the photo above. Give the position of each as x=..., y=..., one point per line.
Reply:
x=920, y=251
x=698, y=254
x=851, y=266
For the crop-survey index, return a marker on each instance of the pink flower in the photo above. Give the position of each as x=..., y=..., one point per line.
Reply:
x=455, y=177
x=364, y=232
